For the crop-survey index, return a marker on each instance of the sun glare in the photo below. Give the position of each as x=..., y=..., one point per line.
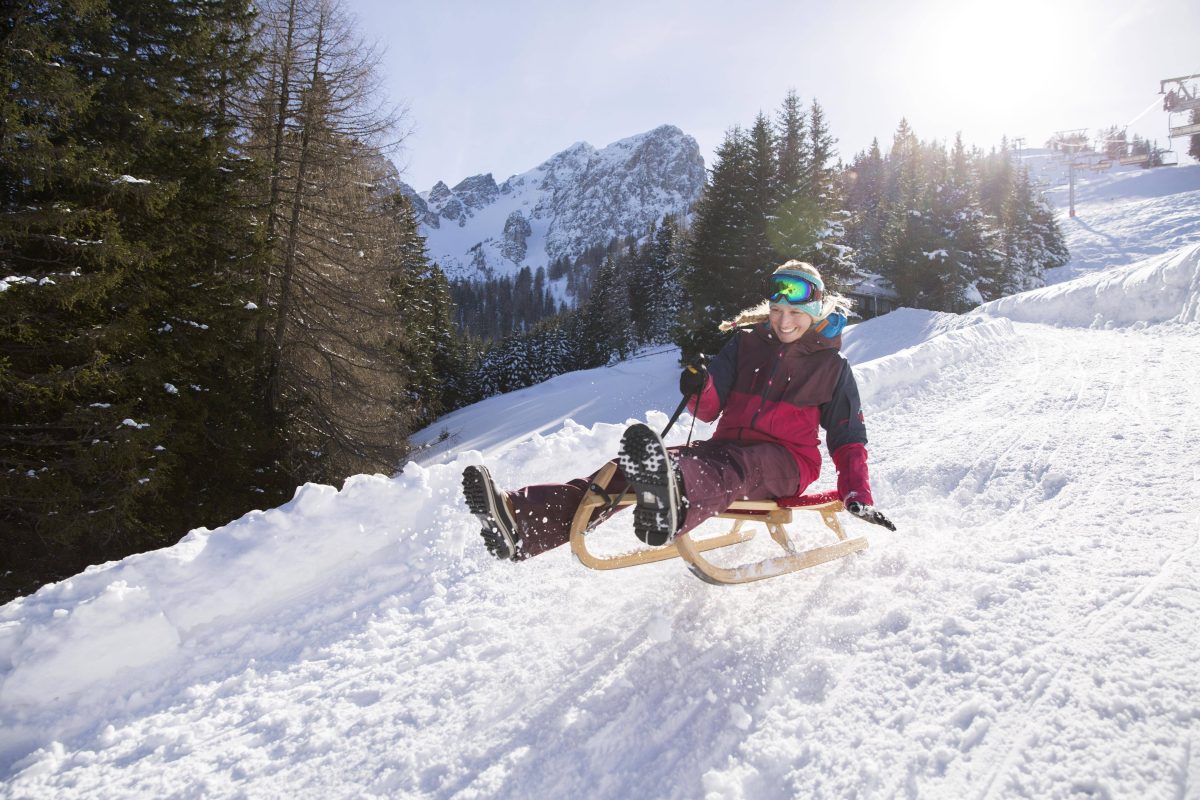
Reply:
x=988, y=57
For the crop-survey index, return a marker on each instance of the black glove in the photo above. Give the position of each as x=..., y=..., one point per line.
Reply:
x=694, y=377
x=869, y=514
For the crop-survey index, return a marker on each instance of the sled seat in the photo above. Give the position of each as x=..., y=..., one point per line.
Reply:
x=774, y=514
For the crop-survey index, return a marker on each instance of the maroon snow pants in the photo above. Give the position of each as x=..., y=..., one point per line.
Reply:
x=715, y=473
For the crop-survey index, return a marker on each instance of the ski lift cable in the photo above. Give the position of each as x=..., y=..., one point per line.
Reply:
x=1144, y=111
x=1153, y=103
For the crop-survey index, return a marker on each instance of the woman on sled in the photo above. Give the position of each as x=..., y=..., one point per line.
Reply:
x=779, y=378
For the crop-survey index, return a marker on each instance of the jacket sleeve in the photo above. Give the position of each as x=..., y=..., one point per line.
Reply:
x=846, y=438
x=721, y=372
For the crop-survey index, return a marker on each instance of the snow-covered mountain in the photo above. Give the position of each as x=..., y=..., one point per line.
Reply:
x=576, y=199
x=1030, y=631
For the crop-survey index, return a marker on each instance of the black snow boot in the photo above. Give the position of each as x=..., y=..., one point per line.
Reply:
x=656, y=486
x=491, y=508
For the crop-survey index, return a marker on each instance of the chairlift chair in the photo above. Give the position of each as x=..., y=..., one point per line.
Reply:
x=1191, y=129
x=1181, y=99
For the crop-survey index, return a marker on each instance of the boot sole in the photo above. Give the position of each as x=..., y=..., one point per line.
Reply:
x=643, y=459
x=484, y=502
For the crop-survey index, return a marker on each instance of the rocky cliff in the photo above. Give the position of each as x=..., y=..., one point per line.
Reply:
x=574, y=200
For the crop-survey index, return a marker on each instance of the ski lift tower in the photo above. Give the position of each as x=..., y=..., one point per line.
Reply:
x=1071, y=143
x=1183, y=97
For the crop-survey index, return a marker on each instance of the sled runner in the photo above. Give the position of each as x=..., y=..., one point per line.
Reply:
x=775, y=514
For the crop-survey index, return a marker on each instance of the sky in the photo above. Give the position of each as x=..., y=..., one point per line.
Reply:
x=1029, y=631
x=500, y=87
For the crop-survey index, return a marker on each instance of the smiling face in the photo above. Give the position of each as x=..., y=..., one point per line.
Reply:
x=788, y=323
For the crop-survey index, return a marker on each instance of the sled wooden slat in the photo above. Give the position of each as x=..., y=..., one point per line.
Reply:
x=767, y=512
x=757, y=505
x=767, y=568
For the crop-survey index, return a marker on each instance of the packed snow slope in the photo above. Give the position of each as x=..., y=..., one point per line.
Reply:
x=1123, y=214
x=1029, y=631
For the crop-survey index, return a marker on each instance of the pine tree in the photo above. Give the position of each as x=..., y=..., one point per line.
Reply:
x=1113, y=142
x=660, y=283
x=863, y=189
x=128, y=410
x=996, y=182
x=830, y=254
x=906, y=236
x=642, y=289
x=968, y=246
x=758, y=251
x=426, y=337
x=723, y=269
x=1194, y=139
x=607, y=331
x=1032, y=241
x=763, y=174
x=793, y=153
x=807, y=218
x=795, y=213
x=549, y=351
x=819, y=176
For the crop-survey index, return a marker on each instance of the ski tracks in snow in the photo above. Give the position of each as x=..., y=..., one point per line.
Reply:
x=1076, y=515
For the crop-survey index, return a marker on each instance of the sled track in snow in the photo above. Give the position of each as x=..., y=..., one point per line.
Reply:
x=1082, y=411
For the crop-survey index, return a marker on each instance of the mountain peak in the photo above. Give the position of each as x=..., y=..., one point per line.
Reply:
x=575, y=199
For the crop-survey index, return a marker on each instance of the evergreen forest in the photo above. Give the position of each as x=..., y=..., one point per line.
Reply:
x=212, y=290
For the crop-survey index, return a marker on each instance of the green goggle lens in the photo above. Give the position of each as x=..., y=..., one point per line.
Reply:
x=792, y=290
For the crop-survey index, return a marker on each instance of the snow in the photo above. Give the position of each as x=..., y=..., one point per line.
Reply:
x=15, y=280
x=1126, y=214
x=1030, y=630
x=577, y=198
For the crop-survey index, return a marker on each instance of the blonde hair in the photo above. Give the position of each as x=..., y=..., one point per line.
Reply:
x=831, y=302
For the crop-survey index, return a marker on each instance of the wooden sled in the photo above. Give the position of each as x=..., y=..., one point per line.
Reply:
x=772, y=513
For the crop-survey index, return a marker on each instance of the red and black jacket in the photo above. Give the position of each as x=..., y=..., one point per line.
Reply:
x=767, y=391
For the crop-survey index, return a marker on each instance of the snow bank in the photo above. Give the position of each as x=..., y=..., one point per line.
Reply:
x=901, y=329
x=141, y=618
x=118, y=628
x=1164, y=288
x=882, y=379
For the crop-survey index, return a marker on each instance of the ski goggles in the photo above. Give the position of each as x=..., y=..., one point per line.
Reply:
x=793, y=290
